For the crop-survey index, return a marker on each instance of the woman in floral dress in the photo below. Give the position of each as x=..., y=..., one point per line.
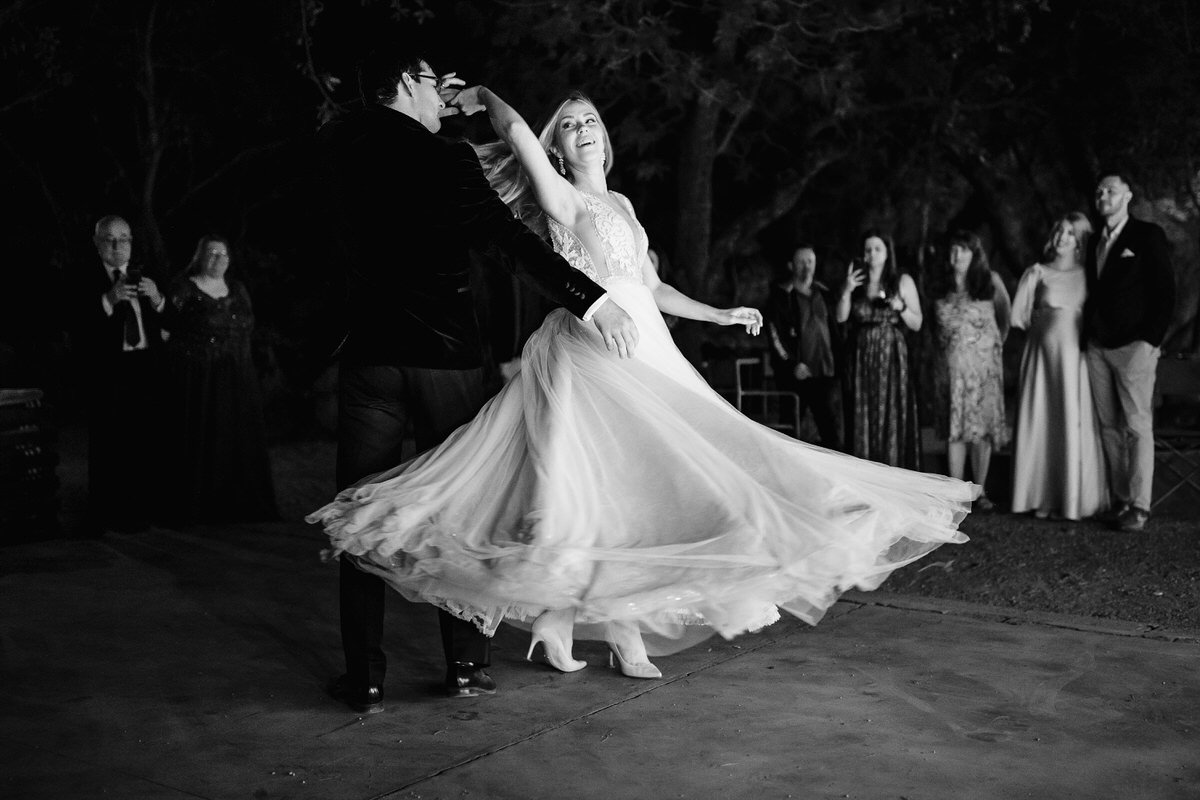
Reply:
x=972, y=317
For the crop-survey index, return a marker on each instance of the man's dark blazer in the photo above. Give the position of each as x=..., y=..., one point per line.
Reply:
x=1133, y=299
x=100, y=336
x=781, y=314
x=409, y=207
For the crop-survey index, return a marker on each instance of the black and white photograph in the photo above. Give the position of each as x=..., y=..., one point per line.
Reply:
x=523, y=399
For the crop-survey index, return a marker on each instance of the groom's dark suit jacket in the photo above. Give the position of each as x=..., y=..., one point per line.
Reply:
x=1134, y=296
x=409, y=207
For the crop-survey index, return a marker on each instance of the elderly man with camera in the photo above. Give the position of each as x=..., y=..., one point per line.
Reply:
x=118, y=337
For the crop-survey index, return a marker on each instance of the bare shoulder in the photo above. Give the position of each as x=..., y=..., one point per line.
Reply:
x=622, y=199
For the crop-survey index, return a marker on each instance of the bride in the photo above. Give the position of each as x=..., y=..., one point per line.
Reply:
x=607, y=497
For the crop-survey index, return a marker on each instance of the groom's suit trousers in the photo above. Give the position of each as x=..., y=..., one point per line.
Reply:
x=377, y=406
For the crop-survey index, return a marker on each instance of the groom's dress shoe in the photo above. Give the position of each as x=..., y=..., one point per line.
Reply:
x=364, y=700
x=464, y=679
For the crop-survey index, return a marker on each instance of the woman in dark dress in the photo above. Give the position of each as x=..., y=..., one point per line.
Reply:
x=215, y=435
x=881, y=305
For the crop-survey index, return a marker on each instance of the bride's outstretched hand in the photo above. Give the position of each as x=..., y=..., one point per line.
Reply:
x=752, y=318
x=460, y=98
x=617, y=328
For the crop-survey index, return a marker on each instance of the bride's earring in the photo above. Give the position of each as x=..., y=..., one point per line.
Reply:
x=562, y=167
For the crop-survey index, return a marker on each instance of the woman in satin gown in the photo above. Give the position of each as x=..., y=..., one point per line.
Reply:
x=1058, y=465
x=606, y=497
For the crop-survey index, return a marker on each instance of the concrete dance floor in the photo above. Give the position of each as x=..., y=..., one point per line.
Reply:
x=191, y=665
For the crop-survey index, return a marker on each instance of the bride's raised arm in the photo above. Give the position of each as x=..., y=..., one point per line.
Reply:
x=553, y=192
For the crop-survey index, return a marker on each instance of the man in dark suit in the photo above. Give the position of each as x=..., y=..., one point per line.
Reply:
x=118, y=335
x=410, y=206
x=1131, y=299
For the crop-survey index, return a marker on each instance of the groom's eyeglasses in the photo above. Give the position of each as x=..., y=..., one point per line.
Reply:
x=437, y=82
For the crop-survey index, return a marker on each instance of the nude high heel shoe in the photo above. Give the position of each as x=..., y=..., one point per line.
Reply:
x=627, y=650
x=553, y=630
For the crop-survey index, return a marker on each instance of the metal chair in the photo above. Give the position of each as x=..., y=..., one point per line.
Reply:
x=1177, y=427
x=771, y=407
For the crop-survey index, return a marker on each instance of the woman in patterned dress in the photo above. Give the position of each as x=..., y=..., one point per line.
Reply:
x=603, y=497
x=971, y=314
x=881, y=305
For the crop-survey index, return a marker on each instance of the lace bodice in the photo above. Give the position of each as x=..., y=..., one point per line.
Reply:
x=624, y=248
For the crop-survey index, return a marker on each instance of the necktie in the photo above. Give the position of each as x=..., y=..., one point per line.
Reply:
x=128, y=315
x=1102, y=255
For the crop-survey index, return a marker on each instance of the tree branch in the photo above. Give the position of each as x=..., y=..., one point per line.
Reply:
x=221, y=172
x=310, y=67
x=782, y=200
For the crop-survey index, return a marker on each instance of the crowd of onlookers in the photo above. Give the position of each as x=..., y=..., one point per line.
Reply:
x=1095, y=308
x=176, y=433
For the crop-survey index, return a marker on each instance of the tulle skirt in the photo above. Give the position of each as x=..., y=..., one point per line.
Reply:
x=629, y=491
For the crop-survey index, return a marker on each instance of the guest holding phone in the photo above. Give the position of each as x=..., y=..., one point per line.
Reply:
x=117, y=340
x=881, y=304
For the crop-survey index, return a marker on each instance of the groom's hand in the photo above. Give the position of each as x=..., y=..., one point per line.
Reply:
x=617, y=328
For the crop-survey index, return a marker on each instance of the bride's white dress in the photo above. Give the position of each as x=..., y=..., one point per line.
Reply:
x=628, y=490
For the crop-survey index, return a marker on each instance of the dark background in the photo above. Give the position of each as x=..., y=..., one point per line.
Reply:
x=741, y=127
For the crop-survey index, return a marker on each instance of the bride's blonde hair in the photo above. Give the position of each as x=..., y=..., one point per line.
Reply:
x=504, y=172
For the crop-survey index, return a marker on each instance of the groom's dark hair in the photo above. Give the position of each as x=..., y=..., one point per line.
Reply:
x=380, y=71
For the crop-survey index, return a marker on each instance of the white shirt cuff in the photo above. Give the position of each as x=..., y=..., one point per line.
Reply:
x=591, y=312
x=108, y=308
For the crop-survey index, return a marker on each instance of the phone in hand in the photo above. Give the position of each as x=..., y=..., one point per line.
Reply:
x=133, y=276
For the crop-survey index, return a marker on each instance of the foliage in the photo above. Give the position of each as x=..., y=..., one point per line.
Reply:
x=740, y=126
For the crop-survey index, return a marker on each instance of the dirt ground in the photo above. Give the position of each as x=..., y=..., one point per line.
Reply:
x=1083, y=568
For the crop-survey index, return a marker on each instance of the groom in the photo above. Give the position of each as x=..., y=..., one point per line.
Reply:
x=409, y=208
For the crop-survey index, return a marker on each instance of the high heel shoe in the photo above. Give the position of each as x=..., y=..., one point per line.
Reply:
x=548, y=629
x=631, y=643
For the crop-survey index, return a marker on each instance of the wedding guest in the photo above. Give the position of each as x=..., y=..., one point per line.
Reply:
x=881, y=305
x=117, y=336
x=971, y=316
x=1058, y=466
x=1131, y=299
x=214, y=433
x=798, y=328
